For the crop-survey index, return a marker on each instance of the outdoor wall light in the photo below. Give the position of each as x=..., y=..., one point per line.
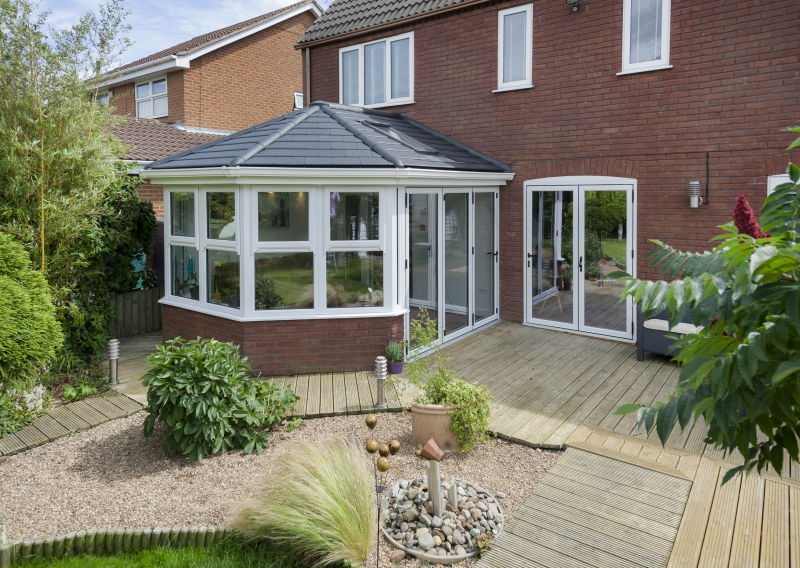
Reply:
x=695, y=200
x=575, y=4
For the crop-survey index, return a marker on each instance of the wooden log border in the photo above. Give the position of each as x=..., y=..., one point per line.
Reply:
x=110, y=542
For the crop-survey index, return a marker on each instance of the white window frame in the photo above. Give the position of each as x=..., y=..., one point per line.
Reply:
x=387, y=69
x=526, y=83
x=298, y=100
x=207, y=243
x=662, y=63
x=775, y=181
x=106, y=94
x=187, y=241
x=151, y=97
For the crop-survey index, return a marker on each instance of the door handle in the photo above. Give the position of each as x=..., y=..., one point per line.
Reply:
x=580, y=264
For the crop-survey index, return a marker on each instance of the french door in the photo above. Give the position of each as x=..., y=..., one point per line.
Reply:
x=452, y=263
x=574, y=236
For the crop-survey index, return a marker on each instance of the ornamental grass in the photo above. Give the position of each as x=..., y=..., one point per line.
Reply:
x=318, y=504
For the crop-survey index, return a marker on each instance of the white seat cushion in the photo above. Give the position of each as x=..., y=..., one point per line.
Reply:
x=663, y=325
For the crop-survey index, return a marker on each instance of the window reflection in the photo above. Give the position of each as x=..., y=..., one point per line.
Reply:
x=354, y=279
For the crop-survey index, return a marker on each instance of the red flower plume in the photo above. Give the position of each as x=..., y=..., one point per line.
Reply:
x=745, y=220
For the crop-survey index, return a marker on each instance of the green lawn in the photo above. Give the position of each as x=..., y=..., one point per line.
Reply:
x=616, y=250
x=226, y=554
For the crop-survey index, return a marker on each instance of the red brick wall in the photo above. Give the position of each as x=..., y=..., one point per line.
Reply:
x=290, y=347
x=239, y=85
x=154, y=194
x=733, y=87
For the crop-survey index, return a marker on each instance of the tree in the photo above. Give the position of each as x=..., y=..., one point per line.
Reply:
x=741, y=370
x=61, y=177
x=606, y=212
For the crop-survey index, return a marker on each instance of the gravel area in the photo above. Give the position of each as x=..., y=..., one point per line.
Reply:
x=111, y=476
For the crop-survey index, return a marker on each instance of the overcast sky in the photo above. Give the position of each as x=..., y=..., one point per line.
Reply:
x=157, y=25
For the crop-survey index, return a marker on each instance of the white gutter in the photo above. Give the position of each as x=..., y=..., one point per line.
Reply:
x=137, y=166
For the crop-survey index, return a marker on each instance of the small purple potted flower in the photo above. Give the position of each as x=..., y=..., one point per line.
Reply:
x=395, y=355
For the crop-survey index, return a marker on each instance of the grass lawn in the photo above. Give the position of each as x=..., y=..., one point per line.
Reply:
x=226, y=554
x=616, y=250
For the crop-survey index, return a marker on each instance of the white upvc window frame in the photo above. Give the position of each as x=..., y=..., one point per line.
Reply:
x=387, y=71
x=774, y=181
x=655, y=65
x=151, y=97
x=526, y=83
x=105, y=95
x=171, y=240
x=259, y=246
x=207, y=243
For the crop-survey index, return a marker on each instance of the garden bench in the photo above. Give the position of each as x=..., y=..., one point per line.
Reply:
x=654, y=332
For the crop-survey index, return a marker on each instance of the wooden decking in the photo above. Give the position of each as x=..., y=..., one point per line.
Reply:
x=615, y=500
x=69, y=418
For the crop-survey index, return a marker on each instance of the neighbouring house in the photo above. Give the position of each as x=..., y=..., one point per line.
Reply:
x=310, y=238
x=208, y=86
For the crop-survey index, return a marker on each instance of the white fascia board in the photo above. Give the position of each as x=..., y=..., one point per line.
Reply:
x=580, y=180
x=151, y=68
x=184, y=61
x=320, y=176
x=137, y=166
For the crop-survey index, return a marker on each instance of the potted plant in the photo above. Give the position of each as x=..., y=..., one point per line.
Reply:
x=566, y=274
x=450, y=410
x=395, y=354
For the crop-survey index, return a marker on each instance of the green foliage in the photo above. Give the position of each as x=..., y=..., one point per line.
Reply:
x=605, y=210
x=13, y=415
x=395, y=351
x=483, y=542
x=29, y=334
x=226, y=554
x=267, y=296
x=741, y=371
x=594, y=253
x=439, y=385
x=318, y=504
x=71, y=394
x=201, y=390
x=79, y=383
x=567, y=274
x=64, y=193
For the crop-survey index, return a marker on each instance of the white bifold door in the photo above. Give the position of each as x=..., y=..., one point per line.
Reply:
x=452, y=266
x=574, y=236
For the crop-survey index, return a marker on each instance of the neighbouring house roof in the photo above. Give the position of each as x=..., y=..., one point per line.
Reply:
x=327, y=135
x=348, y=16
x=149, y=140
x=180, y=55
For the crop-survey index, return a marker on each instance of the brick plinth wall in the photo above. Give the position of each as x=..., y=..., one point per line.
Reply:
x=291, y=347
x=733, y=87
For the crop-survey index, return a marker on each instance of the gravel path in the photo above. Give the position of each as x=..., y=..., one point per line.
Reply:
x=114, y=477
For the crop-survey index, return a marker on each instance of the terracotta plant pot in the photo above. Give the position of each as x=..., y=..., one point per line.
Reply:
x=433, y=421
x=396, y=368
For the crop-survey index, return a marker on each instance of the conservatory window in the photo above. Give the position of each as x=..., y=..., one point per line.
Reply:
x=222, y=266
x=284, y=280
x=354, y=216
x=354, y=279
x=283, y=216
x=221, y=216
x=222, y=287
x=184, y=264
x=182, y=206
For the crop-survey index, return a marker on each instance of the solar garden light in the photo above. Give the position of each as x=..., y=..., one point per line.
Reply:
x=113, y=361
x=380, y=378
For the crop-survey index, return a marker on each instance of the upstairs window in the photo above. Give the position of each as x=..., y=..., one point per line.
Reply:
x=151, y=99
x=645, y=38
x=378, y=73
x=102, y=98
x=515, y=48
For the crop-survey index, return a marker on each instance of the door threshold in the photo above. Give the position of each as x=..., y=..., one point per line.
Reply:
x=584, y=333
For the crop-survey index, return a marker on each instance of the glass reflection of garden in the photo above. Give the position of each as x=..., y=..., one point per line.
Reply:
x=284, y=281
x=354, y=279
x=223, y=278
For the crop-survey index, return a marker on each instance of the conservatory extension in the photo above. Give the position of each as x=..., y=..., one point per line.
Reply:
x=312, y=238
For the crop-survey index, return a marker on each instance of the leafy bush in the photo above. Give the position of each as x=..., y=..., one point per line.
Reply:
x=320, y=504
x=267, y=296
x=594, y=253
x=394, y=351
x=29, y=334
x=201, y=390
x=439, y=385
x=77, y=383
x=741, y=370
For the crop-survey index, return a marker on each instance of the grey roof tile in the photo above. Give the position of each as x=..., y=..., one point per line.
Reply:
x=296, y=140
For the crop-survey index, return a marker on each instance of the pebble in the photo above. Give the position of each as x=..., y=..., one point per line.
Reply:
x=500, y=494
x=426, y=541
x=436, y=522
x=397, y=556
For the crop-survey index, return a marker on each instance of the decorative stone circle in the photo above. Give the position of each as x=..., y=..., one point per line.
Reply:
x=409, y=523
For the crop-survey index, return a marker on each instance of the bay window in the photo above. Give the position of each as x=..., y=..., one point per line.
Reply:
x=272, y=252
x=378, y=73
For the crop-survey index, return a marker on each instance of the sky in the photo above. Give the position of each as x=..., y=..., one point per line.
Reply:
x=157, y=25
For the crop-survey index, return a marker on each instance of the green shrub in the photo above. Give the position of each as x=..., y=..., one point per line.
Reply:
x=29, y=334
x=470, y=421
x=267, y=296
x=320, y=504
x=394, y=351
x=201, y=390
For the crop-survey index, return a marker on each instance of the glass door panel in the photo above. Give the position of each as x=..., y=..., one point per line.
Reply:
x=456, y=262
x=550, y=256
x=605, y=249
x=423, y=247
x=485, y=255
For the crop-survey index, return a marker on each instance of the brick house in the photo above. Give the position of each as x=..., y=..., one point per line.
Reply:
x=605, y=112
x=177, y=98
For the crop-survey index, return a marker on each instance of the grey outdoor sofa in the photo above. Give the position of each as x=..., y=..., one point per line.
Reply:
x=653, y=333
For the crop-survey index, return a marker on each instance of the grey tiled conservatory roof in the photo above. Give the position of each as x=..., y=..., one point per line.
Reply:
x=327, y=135
x=345, y=16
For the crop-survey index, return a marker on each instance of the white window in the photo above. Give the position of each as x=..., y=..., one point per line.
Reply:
x=298, y=101
x=378, y=73
x=645, y=35
x=151, y=99
x=774, y=181
x=102, y=98
x=515, y=48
